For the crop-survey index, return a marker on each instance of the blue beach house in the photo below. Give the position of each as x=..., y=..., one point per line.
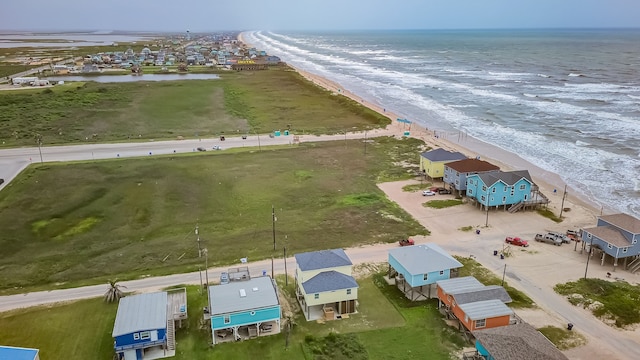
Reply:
x=499, y=188
x=145, y=324
x=416, y=269
x=18, y=353
x=616, y=236
x=243, y=310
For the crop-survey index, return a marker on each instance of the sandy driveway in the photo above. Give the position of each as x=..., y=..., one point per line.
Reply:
x=534, y=270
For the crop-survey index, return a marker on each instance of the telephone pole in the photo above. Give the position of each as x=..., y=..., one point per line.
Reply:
x=273, y=220
x=564, y=195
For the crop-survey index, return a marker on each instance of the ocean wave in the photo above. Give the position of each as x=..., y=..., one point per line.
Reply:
x=543, y=75
x=582, y=143
x=576, y=75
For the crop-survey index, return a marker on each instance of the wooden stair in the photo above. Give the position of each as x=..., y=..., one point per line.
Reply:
x=516, y=207
x=635, y=265
x=171, y=335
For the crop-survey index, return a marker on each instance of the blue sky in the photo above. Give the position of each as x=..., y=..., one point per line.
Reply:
x=211, y=15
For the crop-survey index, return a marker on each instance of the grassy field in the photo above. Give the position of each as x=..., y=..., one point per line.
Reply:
x=618, y=300
x=10, y=69
x=86, y=222
x=238, y=102
x=485, y=276
x=563, y=339
x=386, y=327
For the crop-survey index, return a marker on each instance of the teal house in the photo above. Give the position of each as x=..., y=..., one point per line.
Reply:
x=416, y=269
x=500, y=188
x=241, y=310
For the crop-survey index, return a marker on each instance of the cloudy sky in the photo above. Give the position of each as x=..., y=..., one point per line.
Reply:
x=211, y=15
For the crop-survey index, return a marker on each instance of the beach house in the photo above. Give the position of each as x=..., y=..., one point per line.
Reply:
x=432, y=162
x=616, y=236
x=241, y=310
x=416, y=269
x=145, y=324
x=473, y=304
x=324, y=285
x=456, y=172
x=514, y=342
x=513, y=189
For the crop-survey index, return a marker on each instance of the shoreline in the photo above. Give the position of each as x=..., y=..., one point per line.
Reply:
x=473, y=147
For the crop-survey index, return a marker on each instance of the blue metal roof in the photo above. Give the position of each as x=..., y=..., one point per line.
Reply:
x=17, y=353
x=329, y=281
x=322, y=259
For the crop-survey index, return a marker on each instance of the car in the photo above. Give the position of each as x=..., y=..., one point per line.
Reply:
x=428, y=193
x=201, y=149
x=516, y=241
x=216, y=147
x=224, y=278
x=406, y=242
x=564, y=238
x=549, y=239
x=444, y=191
x=436, y=188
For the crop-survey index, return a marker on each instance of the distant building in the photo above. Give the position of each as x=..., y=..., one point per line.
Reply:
x=432, y=162
x=18, y=353
x=617, y=236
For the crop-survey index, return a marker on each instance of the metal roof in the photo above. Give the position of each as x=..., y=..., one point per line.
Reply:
x=322, y=259
x=485, y=309
x=442, y=155
x=424, y=258
x=141, y=312
x=329, y=281
x=481, y=294
x=459, y=284
x=237, y=296
x=17, y=353
x=517, y=342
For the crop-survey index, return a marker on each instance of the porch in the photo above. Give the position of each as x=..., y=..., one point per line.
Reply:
x=246, y=332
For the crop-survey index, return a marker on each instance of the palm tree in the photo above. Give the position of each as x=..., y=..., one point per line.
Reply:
x=114, y=291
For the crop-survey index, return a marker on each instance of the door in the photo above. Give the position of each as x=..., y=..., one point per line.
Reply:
x=154, y=335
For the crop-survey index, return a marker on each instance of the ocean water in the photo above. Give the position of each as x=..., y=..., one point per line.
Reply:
x=567, y=101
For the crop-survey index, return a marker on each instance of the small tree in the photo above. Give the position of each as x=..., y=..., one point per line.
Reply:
x=114, y=291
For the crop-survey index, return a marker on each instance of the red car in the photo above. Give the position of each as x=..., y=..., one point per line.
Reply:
x=406, y=242
x=516, y=241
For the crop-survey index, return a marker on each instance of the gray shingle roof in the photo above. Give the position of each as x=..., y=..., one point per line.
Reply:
x=610, y=235
x=623, y=221
x=322, y=259
x=329, y=281
x=459, y=284
x=485, y=309
x=424, y=258
x=442, y=155
x=481, y=294
x=509, y=178
x=141, y=312
x=517, y=342
x=260, y=292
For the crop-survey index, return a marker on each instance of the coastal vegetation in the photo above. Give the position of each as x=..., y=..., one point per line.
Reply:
x=237, y=103
x=87, y=222
x=563, y=339
x=416, y=187
x=441, y=204
x=614, y=302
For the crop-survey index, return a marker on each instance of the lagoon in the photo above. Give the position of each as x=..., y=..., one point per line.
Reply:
x=132, y=78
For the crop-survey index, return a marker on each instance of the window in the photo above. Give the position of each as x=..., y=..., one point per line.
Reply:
x=348, y=291
x=136, y=336
x=145, y=335
x=227, y=319
x=505, y=188
x=624, y=250
x=457, y=173
x=634, y=241
x=504, y=199
x=609, y=246
x=316, y=296
x=441, y=272
x=589, y=235
x=481, y=323
x=493, y=190
x=482, y=198
x=252, y=313
x=522, y=187
x=484, y=188
x=425, y=277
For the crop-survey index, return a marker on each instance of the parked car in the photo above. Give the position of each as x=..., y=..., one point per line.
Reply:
x=444, y=191
x=406, y=242
x=549, y=239
x=201, y=149
x=428, y=193
x=573, y=235
x=565, y=239
x=224, y=278
x=216, y=147
x=436, y=188
x=516, y=241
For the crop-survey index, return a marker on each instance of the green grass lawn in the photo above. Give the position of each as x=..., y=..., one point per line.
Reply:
x=485, y=276
x=386, y=327
x=83, y=223
x=563, y=339
x=238, y=102
x=619, y=300
x=441, y=204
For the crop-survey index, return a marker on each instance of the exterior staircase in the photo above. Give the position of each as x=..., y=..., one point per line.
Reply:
x=635, y=265
x=516, y=207
x=171, y=335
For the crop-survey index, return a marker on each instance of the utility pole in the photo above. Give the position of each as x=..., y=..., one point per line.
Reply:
x=259, y=148
x=588, y=257
x=365, y=141
x=198, y=240
x=504, y=272
x=286, y=275
x=486, y=223
x=273, y=221
x=200, y=272
x=564, y=195
x=39, y=142
x=272, y=271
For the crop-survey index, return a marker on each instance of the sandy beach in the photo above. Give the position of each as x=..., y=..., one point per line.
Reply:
x=534, y=271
